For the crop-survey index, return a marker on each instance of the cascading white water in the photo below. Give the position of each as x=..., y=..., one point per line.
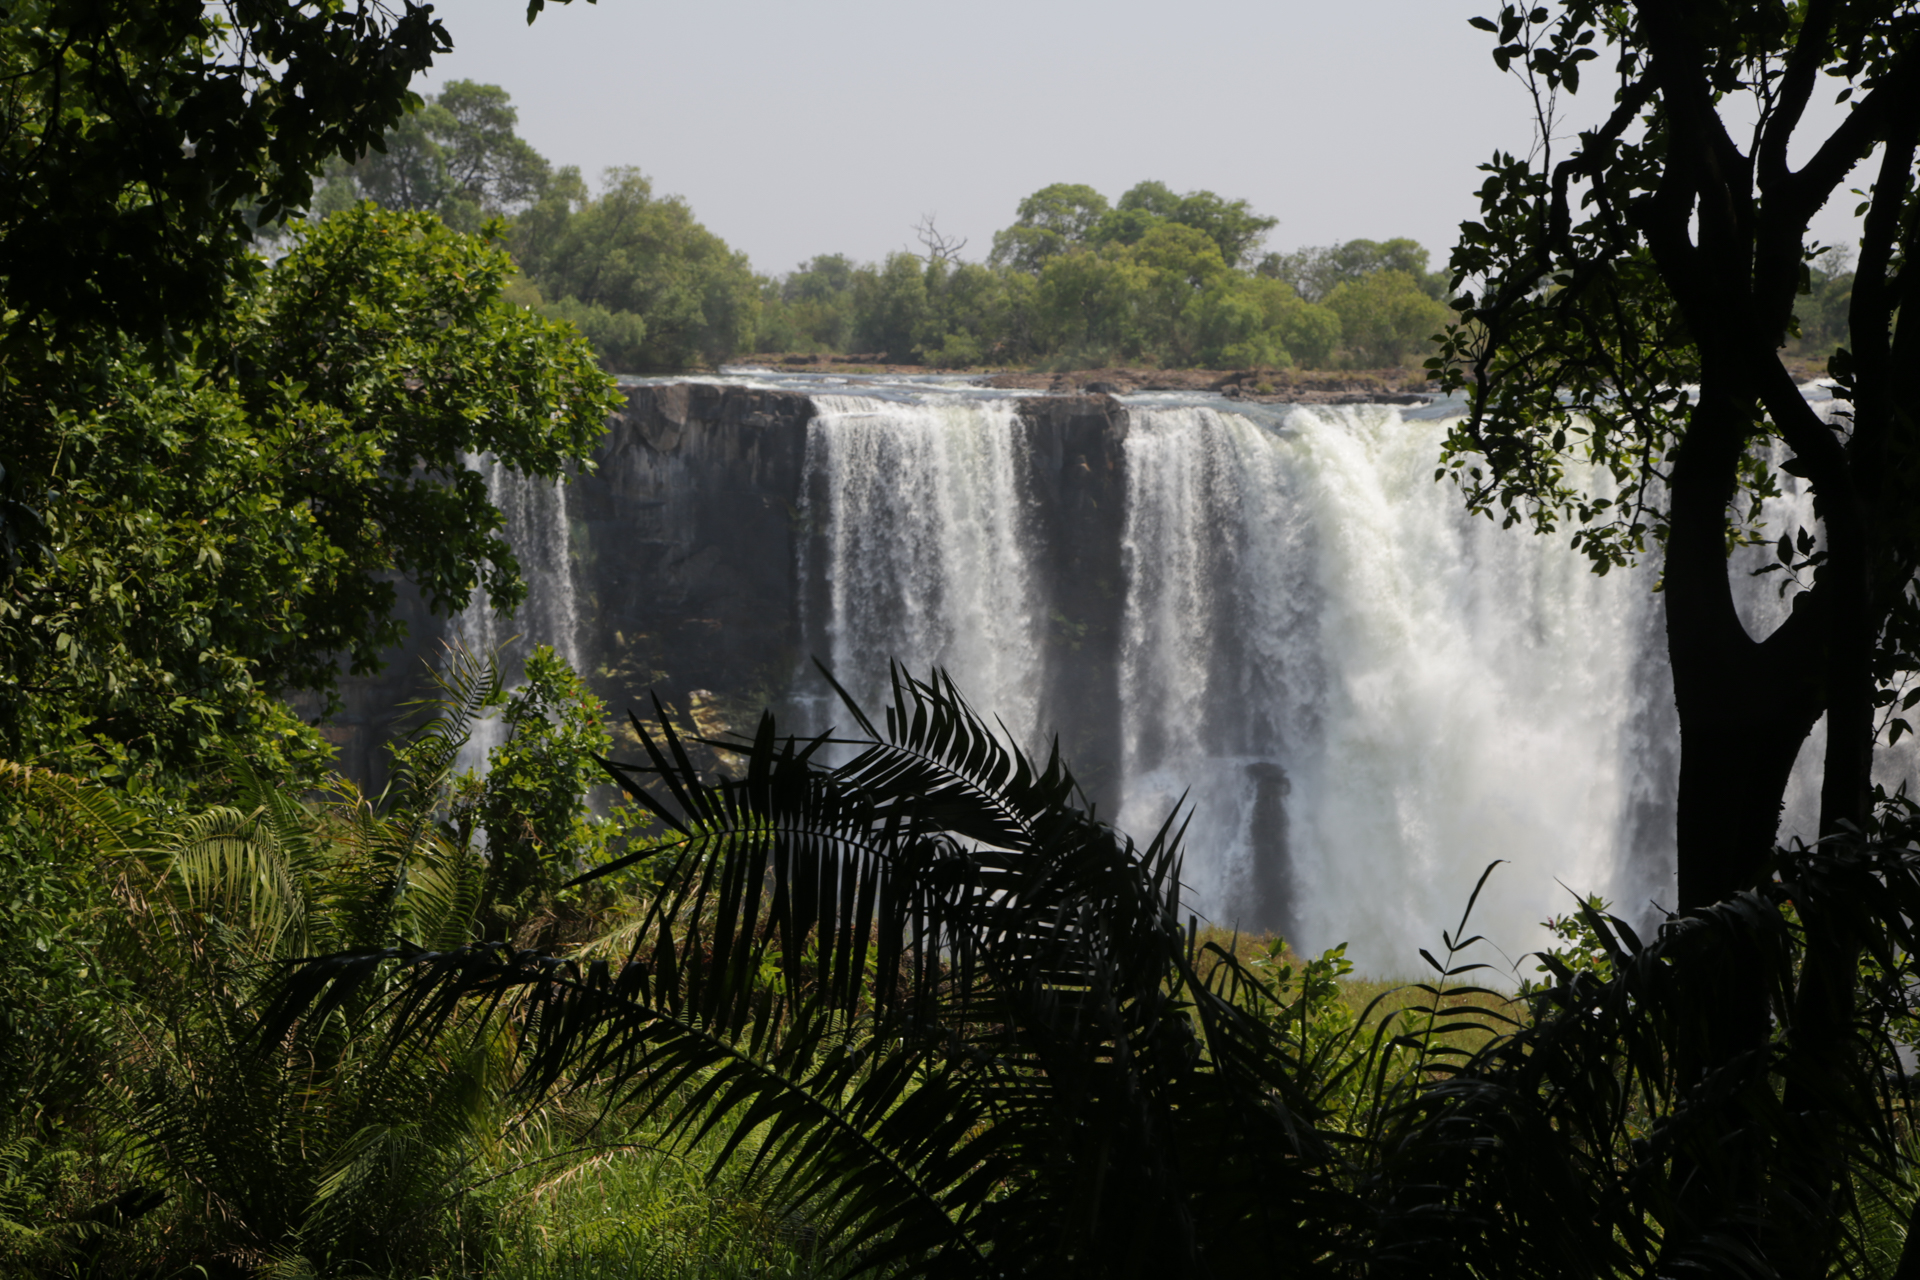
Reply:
x=537, y=529
x=926, y=549
x=1365, y=694
x=1316, y=629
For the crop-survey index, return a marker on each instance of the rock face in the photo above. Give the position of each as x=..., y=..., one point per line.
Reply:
x=1076, y=451
x=684, y=544
x=689, y=555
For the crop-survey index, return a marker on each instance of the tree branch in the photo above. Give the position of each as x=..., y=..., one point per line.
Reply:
x=1803, y=65
x=1816, y=180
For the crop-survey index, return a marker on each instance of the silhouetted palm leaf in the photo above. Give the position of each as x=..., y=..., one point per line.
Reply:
x=953, y=1009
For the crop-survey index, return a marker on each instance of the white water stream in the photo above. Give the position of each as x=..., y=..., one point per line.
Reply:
x=1365, y=695
x=1429, y=693
x=928, y=561
x=538, y=531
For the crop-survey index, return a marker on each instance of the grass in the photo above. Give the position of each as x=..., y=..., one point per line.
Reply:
x=637, y=1210
x=1376, y=1001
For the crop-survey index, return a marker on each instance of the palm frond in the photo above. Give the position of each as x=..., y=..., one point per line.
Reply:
x=951, y=1005
x=236, y=865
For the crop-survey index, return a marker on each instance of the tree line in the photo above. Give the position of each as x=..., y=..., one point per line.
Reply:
x=1156, y=276
x=1077, y=281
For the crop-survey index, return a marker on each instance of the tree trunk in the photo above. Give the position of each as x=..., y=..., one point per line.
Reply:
x=1745, y=708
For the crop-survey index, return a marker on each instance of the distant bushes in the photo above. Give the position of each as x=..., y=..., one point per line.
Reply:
x=636, y=273
x=1157, y=278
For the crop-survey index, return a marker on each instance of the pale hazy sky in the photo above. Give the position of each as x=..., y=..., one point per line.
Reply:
x=832, y=127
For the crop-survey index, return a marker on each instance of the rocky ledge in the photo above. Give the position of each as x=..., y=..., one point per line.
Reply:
x=1270, y=386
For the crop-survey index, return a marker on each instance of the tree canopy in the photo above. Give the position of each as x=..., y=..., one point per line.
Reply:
x=1064, y=215
x=457, y=156
x=1156, y=277
x=628, y=263
x=212, y=465
x=136, y=138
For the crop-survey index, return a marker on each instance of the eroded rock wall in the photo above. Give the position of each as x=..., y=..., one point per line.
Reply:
x=684, y=545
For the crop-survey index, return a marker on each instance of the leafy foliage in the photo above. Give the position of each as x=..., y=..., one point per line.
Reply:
x=457, y=156
x=317, y=1150
x=1158, y=278
x=1315, y=273
x=1622, y=309
x=531, y=803
x=136, y=136
x=634, y=254
x=961, y=1014
x=219, y=529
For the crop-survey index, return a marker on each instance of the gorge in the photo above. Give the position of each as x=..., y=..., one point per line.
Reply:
x=1364, y=695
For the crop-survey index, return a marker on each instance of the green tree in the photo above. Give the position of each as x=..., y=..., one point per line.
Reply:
x=1177, y=264
x=226, y=527
x=1317, y=272
x=173, y=552
x=1230, y=224
x=1246, y=323
x=891, y=309
x=1172, y=298
x=533, y=802
x=1385, y=318
x=1048, y=222
x=1625, y=302
x=492, y=168
x=1087, y=305
x=135, y=138
x=143, y=933
x=457, y=155
x=811, y=308
x=979, y=314
x=1822, y=313
x=629, y=252
x=408, y=172
x=1233, y=227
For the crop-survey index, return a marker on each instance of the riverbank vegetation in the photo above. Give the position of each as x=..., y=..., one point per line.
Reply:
x=1154, y=277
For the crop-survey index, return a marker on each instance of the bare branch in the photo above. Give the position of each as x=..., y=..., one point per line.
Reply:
x=939, y=247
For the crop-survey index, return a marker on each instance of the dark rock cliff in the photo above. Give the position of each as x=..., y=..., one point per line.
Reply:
x=684, y=545
x=1075, y=447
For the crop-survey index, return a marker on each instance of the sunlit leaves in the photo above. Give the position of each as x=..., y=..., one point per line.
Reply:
x=219, y=529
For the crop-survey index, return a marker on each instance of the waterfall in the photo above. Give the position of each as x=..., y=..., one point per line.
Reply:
x=923, y=551
x=1369, y=694
x=1364, y=694
x=538, y=530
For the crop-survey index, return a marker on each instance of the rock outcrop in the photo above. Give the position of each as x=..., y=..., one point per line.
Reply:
x=684, y=544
